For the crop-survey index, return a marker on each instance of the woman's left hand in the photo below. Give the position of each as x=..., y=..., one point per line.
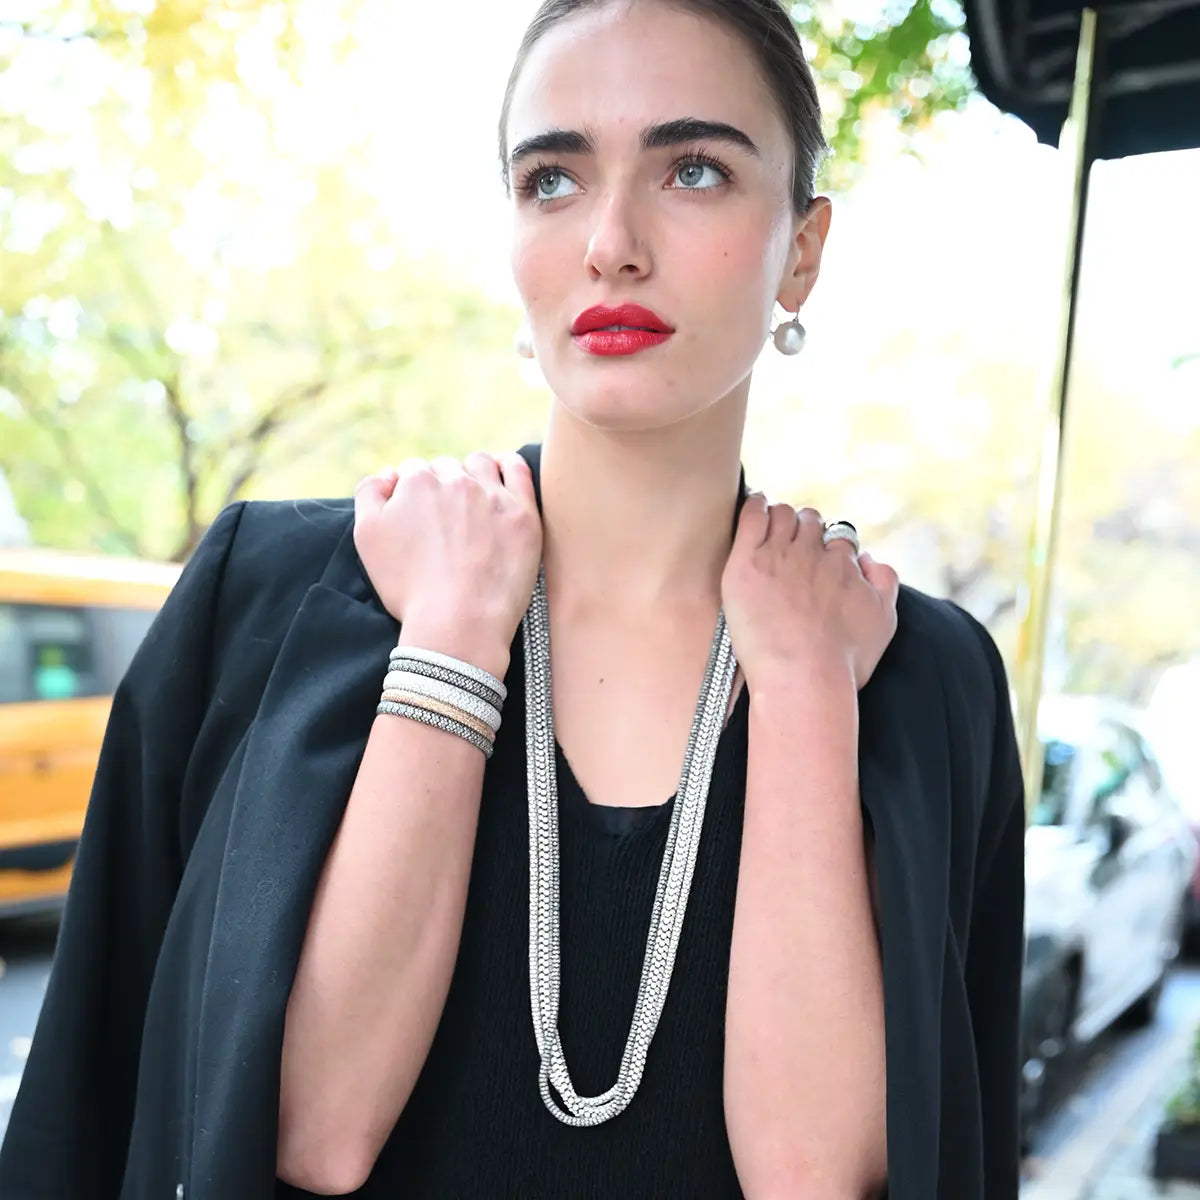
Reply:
x=793, y=604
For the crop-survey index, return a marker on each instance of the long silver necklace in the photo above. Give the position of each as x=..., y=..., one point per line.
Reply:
x=674, y=880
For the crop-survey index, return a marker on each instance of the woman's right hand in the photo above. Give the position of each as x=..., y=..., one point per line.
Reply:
x=453, y=550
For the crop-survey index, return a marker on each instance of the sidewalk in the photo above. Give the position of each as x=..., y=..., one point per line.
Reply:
x=1112, y=1159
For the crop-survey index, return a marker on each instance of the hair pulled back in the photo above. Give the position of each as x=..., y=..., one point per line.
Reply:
x=767, y=30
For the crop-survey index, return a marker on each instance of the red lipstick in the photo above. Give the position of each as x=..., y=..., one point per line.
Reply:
x=625, y=329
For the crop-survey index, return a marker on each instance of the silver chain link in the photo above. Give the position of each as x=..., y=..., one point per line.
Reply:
x=674, y=880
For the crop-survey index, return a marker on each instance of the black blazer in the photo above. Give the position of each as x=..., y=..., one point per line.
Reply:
x=230, y=753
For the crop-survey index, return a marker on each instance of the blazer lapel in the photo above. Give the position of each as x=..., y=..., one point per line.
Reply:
x=301, y=757
x=904, y=783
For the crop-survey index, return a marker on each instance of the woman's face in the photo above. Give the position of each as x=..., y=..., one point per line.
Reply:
x=626, y=190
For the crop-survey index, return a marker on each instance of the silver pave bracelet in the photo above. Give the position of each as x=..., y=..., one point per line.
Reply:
x=438, y=721
x=437, y=659
x=399, y=662
x=447, y=693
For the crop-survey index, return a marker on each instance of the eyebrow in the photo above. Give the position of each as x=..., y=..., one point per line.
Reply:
x=653, y=137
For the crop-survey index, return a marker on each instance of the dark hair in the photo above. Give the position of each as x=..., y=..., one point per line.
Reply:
x=766, y=28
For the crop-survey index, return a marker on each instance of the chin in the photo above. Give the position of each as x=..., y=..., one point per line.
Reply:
x=627, y=409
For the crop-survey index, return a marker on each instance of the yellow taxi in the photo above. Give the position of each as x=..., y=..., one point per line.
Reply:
x=69, y=625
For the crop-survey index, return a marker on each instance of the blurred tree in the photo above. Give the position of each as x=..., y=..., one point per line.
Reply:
x=902, y=61
x=198, y=310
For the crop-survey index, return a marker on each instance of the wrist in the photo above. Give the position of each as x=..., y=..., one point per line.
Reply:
x=815, y=675
x=471, y=643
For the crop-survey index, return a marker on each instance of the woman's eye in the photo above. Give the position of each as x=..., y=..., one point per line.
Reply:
x=547, y=185
x=691, y=176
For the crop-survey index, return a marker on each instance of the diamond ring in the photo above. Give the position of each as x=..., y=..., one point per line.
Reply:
x=836, y=531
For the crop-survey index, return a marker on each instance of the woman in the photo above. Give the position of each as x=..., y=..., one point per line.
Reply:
x=316, y=948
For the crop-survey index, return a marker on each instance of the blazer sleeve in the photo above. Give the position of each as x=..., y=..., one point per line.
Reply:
x=996, y=946
x=70, y=1124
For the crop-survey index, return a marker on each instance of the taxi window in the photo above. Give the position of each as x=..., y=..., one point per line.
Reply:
x=14, y=663
x=60, y=652
x=46, y=653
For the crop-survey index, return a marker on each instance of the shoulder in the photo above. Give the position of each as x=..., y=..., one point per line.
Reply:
x=946, y=636
x=292, y=536
x=978, y=704
x=274, y=548
x=252, y=568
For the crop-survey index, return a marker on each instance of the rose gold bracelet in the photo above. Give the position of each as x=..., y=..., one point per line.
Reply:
x=397, y=696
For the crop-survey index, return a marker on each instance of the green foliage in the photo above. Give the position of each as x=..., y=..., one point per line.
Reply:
x=182, y=325
x=906, y=65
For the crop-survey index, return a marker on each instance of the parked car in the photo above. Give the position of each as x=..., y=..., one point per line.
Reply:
x=69, y=625
x=1109, y=860
x=1190, y=802
x=1172, y=714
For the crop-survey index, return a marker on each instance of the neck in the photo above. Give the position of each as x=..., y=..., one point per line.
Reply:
x=639, y=521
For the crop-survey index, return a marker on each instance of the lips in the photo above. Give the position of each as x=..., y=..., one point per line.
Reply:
x=622, y=317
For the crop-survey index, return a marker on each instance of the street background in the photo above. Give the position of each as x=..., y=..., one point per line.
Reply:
x=259, y=250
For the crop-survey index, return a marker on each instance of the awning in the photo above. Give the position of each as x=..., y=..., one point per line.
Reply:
x=1128, y=76
x=1023, y=55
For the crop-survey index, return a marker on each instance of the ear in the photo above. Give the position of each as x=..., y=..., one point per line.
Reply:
x=804, y=260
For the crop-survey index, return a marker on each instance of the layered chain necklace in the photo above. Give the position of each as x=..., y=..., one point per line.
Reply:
x=674, y=880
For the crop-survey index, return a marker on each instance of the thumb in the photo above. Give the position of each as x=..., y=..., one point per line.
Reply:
x=753, y=521
x=881, y=577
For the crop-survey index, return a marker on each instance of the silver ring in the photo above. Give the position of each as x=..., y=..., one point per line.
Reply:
x=839, y=531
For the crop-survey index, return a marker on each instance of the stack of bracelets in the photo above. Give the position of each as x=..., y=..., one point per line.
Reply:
x=445, y=692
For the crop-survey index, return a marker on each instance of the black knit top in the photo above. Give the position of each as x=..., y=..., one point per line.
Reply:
x=475, y=1125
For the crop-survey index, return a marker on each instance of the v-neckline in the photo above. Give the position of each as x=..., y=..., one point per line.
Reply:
x=633, y=819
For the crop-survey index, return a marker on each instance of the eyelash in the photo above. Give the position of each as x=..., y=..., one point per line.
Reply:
x=527, y=184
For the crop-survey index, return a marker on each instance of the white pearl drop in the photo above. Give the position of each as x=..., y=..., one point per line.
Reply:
x=789, y=337
x=523, y=342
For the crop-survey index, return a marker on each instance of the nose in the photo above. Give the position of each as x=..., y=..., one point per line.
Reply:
x=616, y=247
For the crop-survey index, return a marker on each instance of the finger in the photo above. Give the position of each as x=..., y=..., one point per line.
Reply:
x=841, y=546
x=782, y=522
x=410, y=467
x=810, y=525
x=446, y=467
x=482, y=466
x=753, y=522
x=388, y=477
x=881, y=577
x=371, y=494
x=516, y=475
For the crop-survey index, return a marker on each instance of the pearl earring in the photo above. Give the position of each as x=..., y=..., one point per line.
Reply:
x=790, y=336
x=523, y=342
